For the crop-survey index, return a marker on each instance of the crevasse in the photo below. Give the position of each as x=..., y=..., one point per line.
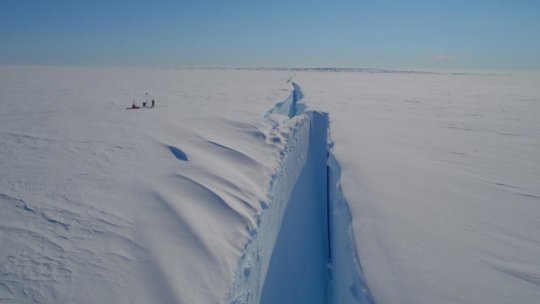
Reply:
x=302, y=250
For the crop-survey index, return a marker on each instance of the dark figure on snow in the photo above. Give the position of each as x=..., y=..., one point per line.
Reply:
x=144, y=104
x=153, y=103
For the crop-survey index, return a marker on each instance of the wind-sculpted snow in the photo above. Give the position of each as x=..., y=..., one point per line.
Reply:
x=104, y=205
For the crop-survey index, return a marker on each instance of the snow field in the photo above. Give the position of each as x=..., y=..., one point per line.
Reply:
x=429, y=194
x=172, y=204
x=102, y=204
x=441, y=175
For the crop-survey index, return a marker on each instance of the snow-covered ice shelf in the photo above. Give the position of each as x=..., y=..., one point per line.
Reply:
x=102, y=204
x=442, y=177
x=427, y=193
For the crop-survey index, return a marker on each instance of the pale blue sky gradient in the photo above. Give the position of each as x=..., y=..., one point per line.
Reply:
x=460, y=35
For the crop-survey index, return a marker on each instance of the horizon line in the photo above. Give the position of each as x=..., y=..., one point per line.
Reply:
x=284, y=68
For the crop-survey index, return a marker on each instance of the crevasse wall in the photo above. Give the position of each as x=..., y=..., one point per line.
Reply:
x=303, y=250
x=253, y=265
x=298, y=271
x=347, y=283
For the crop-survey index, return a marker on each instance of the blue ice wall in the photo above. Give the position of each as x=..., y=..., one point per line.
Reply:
x=254, y=263
x=298, y=267
x=303, y=249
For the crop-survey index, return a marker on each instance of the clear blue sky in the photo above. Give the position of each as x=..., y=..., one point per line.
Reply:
x=407, y=34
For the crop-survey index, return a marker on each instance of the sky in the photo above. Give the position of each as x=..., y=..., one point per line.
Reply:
x=458, y=35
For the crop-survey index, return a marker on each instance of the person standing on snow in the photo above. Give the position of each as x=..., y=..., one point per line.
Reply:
x=153, y=104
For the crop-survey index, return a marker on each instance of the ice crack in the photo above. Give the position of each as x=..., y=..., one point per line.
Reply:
x=302, y=250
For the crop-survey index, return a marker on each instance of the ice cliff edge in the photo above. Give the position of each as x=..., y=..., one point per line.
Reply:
x=297, y=254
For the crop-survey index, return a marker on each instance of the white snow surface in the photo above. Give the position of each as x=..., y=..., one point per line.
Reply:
x=442, y=177
x=99, y=204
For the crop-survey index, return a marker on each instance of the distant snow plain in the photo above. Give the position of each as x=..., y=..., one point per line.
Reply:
x=440, y=175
